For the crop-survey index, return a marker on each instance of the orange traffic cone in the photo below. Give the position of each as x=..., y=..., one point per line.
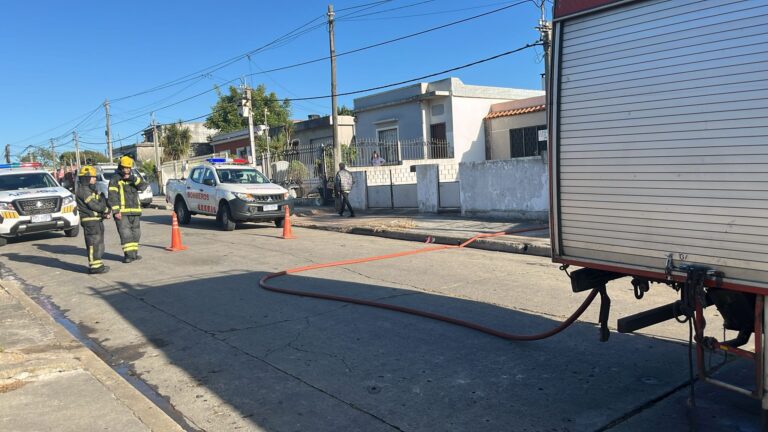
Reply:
x=175, y=235
x=287, y=234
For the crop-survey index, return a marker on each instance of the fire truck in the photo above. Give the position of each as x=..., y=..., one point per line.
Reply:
x=658, y=153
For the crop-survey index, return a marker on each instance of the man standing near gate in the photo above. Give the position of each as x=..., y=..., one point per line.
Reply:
x=124, y=188
x=344, y=182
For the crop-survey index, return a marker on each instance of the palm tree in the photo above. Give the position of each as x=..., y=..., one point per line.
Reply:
x=176, y=141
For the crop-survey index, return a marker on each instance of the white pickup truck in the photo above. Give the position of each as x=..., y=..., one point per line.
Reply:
x=230, y=190
x=31, y=201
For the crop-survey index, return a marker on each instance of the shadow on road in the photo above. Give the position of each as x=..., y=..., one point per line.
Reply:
x=295, y=363
x=45, y=261
x=207, y=223
x=74, y=250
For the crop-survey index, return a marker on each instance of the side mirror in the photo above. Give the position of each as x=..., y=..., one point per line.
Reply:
x=209, y=182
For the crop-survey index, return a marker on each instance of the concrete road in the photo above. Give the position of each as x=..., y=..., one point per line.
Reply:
x=196, y=327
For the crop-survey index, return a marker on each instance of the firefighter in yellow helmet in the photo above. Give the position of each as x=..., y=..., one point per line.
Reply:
x=93, y=208
x=124, y=188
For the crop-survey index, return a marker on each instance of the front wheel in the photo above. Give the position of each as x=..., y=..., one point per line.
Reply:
x=72, y=232
x=279, y=222
x=182, y=212
x=225, y=218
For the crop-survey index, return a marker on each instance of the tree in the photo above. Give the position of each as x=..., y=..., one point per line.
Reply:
x=176, y=141
x=225, y=117
x=39, y=154
x=88, y=157
x=345, y=110
x=148, y=169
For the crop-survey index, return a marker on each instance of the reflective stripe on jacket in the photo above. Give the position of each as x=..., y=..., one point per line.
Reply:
x=124, y=195
x=91, y=204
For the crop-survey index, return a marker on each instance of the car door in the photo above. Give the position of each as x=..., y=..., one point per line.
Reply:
x=208, y=192
x=194, y=184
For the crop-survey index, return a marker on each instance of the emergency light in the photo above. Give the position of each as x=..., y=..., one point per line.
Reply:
x=21, y=165
x=226, y=160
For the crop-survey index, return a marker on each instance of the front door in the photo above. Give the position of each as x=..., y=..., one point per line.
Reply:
x=208, y=193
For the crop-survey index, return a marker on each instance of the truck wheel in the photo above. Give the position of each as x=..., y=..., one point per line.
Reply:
x=182, y=212
x=225, y=216
x=72, y=232
x=279, y=222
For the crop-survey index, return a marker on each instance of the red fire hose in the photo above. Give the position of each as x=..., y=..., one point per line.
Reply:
x=508, y=336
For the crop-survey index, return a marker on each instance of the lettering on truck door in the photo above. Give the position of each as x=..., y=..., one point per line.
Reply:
x=207, y=198
x=192, y=190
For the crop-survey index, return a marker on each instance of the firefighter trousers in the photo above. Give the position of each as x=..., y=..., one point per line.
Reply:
x=130, y=232
x=94, y=244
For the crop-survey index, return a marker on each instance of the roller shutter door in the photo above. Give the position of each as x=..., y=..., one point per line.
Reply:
x=662, y=136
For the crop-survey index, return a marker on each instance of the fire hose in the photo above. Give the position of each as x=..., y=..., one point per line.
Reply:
x=263, y=282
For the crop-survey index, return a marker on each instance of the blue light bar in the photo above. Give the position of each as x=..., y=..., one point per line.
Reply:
x=218, y=160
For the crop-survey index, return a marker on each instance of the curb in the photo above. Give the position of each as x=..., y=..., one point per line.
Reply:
x=144, y=409
x=518, y=245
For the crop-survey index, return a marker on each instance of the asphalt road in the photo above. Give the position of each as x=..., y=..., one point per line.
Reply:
x=196, y=327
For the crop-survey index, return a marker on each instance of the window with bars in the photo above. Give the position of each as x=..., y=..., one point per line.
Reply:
x=525, y=142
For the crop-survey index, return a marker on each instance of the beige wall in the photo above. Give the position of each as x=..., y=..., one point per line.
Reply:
x=497, y=131
x=346, y=133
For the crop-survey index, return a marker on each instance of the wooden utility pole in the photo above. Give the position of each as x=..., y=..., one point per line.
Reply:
x=334, y=102
x=7, y=153
x=108, y=132
x=77, y=149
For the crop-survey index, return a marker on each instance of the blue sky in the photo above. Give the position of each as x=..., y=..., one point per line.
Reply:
x=61, y=60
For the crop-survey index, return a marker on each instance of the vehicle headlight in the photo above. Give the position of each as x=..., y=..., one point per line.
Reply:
x=244, y=196
x=68, y=200
x=6, y=206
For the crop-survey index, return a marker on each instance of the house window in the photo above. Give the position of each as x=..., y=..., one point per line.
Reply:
x=525, y=142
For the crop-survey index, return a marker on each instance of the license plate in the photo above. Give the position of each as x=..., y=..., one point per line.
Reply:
x=41, y=218
x=270, y=207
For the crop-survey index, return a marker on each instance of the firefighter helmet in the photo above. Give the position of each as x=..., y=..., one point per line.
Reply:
x=126, y=162
x=87, y=171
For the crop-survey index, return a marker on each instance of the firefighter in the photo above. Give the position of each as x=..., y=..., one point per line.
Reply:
x=124, y=188
x=93, y=208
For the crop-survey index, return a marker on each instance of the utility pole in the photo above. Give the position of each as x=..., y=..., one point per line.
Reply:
x=545, y=28
x=108, y=132
x=77, y=149
x=269, y=156
x=7, y=153
x=156, y=145
x=245, y=110
x=334, y=102
x=53, y=157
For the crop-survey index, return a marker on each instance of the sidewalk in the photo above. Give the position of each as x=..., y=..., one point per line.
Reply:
x=442, y=228
x=49, y=381
x=409, y=224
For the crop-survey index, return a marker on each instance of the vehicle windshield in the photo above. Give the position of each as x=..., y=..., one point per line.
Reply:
x=11, y=182
x=241, y=176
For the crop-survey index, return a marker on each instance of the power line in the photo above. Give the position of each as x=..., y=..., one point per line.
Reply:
x=450, y=24
x=453, y=69
x=440, y=12
x=392, y=9
x=387, y=42
x=217, y=66
x=363, y=5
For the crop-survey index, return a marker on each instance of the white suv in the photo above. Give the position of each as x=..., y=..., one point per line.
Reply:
x=31, y=201
x=104, y=174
